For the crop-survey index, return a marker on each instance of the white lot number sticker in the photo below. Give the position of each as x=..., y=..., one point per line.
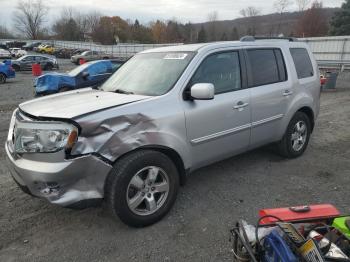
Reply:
x=175, y=56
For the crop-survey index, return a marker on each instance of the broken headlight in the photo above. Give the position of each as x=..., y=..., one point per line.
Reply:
x=43, y=137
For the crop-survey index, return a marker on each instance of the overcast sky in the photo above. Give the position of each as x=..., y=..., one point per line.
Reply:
x=147, y=10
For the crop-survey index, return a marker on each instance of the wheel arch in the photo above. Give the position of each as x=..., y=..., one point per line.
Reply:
x=169, y=152
x=310, y=114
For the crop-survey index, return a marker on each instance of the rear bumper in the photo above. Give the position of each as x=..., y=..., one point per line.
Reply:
x=64, y=183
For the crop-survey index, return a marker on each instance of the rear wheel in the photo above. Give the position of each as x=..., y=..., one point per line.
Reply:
x=49, y=67
x=2, y=78
x=16, y=67
x=296, y=138
x=142, y=188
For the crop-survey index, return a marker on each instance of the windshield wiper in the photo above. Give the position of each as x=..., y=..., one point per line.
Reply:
x=120, y=91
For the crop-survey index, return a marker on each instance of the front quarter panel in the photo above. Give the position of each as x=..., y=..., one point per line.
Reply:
x=114, y=132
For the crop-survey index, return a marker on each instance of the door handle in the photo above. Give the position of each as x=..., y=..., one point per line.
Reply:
x=287, y=93
x=240, y=105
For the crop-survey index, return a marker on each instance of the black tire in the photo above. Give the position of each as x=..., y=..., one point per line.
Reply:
x=118, y=180
x=49, y=67
x=2, y=78
x=285, y=146
x=64, y=89
x=16, y=68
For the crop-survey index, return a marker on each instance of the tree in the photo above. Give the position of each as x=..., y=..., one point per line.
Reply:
x=302, y=4
x=234, y=34
x=4, y=32
x=312, y=23
x=111, y=30
x=202, y=35
x=212, y=18
x=340, y=23
x=251, y=13
x=29, y=18
x=281, y=6
x=158, y=29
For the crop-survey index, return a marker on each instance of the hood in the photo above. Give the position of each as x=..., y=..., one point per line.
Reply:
x=52, y=82
x=76, y=103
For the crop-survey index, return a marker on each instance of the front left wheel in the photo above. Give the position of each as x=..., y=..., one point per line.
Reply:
x=142, y=188
x=2, y=78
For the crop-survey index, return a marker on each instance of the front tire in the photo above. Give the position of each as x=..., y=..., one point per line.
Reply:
x=142, y=188
x=2, y=78
x=296, y=138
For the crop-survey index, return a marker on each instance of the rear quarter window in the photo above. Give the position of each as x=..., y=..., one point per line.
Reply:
x=302, y=62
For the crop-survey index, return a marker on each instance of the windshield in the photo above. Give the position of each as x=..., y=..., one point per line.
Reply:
x=150, y=74
x=78, y=69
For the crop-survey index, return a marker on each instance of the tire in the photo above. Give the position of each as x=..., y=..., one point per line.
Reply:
x=64, y=89
x=295, y=141
x=120, y=191
x=2, y=78
x=16, y=68
x=49, y=67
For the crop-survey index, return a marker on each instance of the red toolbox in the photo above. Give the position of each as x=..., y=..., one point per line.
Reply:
x=299, y=213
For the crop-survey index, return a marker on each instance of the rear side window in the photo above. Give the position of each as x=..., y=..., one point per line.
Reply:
x=222, y=70
x=302, y=62
x=267, y=66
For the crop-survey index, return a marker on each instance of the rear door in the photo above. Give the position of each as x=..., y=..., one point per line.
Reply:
x=220, y=127
x=27, y=62
x=271, y=93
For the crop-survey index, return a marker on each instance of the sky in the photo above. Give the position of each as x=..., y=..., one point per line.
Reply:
x=148, y=10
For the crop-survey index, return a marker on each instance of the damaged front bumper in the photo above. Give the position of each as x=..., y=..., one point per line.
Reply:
x=65, y=182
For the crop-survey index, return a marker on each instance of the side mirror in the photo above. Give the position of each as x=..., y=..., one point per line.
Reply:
x=85, y=75
x=202, y=91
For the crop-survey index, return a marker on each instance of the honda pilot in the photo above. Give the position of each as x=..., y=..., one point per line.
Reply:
x=165, y=113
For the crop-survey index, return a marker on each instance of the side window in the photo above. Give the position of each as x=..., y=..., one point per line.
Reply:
x=302, y=62
x=222, y=70
x=267, y=66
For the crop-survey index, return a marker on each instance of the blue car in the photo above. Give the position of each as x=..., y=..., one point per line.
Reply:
x=87, y=75
x=6, y=71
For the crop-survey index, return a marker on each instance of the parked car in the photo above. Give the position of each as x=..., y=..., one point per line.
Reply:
x=165, y=113
x=39, y=47
x=15, y=44
x=17, y=52
x=5, y=54
x=87, y=75
x=30, y=46
x=89, y=56
x=26, y=62
x=48, y=49
x=6, y=71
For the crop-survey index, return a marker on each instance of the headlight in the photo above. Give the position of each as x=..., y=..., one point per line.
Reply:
x=43, y=137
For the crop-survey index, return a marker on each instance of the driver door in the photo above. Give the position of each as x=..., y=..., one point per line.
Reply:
x=219, y=128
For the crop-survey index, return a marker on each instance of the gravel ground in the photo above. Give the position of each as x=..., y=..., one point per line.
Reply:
x=197, y=228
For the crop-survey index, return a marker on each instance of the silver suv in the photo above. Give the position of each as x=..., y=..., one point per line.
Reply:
x=163, y=114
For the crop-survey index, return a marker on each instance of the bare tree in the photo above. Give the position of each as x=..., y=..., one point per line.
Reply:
x=212, y=18
x=251, y=12
x=281, y=6
x=302, y=4
x=29, y=17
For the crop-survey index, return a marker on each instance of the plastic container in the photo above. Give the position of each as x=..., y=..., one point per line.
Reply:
x=331, y=80
x=299, y=213
x=36, y=70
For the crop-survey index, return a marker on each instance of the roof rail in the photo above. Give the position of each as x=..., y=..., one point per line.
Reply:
x=250, y=38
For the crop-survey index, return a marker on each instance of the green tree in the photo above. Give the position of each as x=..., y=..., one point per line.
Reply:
x=340, y=23
x=202, y=36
